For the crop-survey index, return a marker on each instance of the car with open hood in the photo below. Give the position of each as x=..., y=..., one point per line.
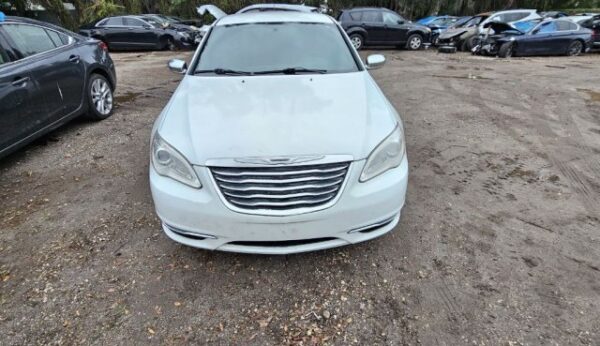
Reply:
x=537, y=37
x=277, y=140
x=461, y=35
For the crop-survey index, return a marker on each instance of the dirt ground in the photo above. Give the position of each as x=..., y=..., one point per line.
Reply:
x=499, y=243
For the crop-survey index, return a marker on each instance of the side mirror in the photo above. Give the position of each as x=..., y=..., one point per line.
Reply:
x=400, y=22
x=178, y=66
x=375, y=61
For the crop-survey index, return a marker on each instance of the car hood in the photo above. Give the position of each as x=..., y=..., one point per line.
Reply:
x=227, y=117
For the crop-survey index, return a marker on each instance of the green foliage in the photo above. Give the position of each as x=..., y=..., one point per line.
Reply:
x=99, y=9
x=90, y=10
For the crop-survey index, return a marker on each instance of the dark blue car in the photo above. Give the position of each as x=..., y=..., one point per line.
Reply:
x=550, y=37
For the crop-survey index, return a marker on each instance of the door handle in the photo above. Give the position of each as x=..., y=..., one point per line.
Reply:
x=74, y=58
x=20, y=82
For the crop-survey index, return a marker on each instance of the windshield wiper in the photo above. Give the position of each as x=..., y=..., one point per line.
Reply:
x=292, y=70
x=224, y=71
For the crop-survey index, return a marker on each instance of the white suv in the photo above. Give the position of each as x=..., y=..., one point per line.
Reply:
x=277, y=141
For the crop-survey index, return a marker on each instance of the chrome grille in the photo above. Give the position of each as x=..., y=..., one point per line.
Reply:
x=280, y=188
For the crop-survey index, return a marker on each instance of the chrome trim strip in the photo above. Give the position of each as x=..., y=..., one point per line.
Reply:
x=279, y=189
x=279, y=181
x=235, y=162
x=189, y=233
x=374, y=225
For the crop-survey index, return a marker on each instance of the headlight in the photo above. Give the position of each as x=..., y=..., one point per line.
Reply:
x=168, y=162
x=387, y=155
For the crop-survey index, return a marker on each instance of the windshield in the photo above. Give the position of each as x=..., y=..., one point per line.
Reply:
x=262, y=47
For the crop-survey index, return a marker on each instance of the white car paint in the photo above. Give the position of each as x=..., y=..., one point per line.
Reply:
x=252, y=121
x=505, y=17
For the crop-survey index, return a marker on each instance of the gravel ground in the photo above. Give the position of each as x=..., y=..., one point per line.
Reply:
x=499, y=242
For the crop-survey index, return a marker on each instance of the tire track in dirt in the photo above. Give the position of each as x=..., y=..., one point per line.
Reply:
x=540, y=122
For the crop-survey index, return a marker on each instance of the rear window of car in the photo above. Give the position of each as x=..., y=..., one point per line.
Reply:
x=563, y=25
x=372, y=17
x=29, y=40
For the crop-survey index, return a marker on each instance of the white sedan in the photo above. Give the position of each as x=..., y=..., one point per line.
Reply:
x=277, y=141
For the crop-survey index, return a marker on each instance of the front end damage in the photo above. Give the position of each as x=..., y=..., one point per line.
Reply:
x=492, y=37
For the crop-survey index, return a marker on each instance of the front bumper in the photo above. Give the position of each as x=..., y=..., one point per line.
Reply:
x=198, y=217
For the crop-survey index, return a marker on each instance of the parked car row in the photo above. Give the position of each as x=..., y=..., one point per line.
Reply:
x=522, y=32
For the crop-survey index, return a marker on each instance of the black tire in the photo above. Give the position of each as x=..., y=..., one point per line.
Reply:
x=507, y=50
x=575, y=48
x=170, y=44
x=357, y=40
x=414, y=42
x=100, y=101
x=471, y=43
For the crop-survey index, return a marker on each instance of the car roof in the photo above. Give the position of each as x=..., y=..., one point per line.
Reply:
x=274, y=17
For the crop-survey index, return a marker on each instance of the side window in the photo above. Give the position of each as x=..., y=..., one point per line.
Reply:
x=133, y=22
x=28, y=39
x=372, y=17
x=3, y=56
x=572, y=26
x=547, y=27
x=58, y=38
x=114, y=21
x=102, y=22
x=356, y=15
x=390, y=18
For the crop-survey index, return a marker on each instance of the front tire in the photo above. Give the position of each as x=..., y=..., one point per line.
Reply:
x=357, y=41
x=575, y=48
x=415, y=42
x=507, y=50
x=170, y=44
x=99, y=97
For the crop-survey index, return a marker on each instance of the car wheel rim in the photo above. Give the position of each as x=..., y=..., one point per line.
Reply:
x=102, y=96
x=356, y=42
x=415, y=43
x=575, y=48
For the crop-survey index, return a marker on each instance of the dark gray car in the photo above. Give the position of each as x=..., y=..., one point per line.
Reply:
x=49, y=76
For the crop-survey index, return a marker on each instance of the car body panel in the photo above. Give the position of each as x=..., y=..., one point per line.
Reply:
x=317, y=108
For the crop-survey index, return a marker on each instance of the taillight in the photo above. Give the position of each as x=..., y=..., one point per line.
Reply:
x=103, y=46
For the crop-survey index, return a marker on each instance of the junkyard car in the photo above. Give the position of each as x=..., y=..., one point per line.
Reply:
x=277, y=141
x=592, y=22
x=461, y=36
x=382, y=27
x=137, y=32
x=549, y=37
x=49, y=76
